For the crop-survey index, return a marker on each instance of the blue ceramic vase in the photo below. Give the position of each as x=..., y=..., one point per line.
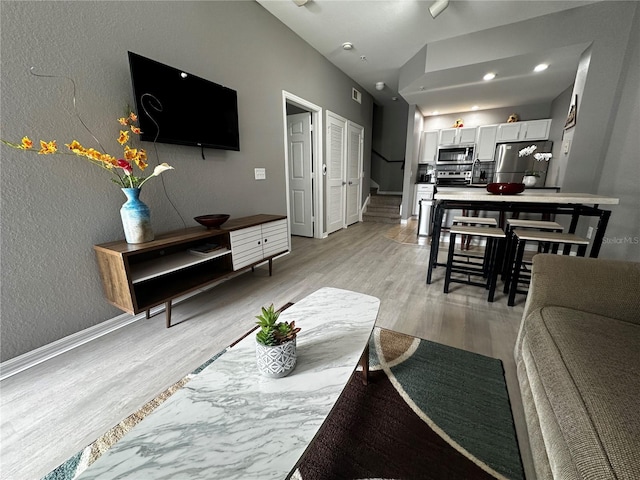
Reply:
x=136, y=218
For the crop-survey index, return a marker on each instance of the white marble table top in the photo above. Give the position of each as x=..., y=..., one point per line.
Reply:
x=530, y=196
x=230, y=422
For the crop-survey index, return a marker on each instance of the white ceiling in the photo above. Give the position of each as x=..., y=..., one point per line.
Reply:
x=386, y=34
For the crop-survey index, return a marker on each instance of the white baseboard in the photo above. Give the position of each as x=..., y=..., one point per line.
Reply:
x=46, y=352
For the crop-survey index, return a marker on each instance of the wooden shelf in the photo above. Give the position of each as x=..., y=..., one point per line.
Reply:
x=137, y=277
x=177, y=261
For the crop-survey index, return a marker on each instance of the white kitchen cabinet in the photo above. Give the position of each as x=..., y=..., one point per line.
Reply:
x=250, y=245
x=509, y=132
x=458, y=136
x=428, y=147
x=486, y=142
x=537, y=130
x=524, y=131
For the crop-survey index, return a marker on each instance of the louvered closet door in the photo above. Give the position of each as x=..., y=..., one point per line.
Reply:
x=355, y=139
x=336, y=132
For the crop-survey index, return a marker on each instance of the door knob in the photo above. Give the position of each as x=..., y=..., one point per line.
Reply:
x=344, y=183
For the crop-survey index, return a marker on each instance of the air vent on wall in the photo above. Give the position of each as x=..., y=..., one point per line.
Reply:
x=356, y=95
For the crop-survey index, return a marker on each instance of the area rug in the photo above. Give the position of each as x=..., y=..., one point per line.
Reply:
x=429, y=412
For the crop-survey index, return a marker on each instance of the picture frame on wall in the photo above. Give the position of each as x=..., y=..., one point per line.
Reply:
x=573, y=113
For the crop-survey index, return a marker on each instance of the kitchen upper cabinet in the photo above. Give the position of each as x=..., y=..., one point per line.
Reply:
x=524, y=131
x=486, y=142
x=457, y=136
x=537, y=130
x=428, y=147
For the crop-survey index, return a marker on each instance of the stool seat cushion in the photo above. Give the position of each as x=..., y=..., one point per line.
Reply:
x=516, y=222
x=557, y=237
x=478, y=231
x=476, y=220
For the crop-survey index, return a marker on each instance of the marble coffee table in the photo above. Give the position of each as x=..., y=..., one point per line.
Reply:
x=230, y=422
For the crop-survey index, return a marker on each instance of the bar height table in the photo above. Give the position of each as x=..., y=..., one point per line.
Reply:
x=574, y=204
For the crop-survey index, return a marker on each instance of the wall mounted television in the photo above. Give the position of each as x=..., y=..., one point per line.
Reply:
x=194, y=111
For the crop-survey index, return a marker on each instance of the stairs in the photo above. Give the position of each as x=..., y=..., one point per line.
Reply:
x=383, y=209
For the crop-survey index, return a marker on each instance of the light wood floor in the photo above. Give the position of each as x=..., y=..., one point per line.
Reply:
x=52, y=411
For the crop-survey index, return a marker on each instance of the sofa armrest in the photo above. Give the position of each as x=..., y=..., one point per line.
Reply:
x=605, y=287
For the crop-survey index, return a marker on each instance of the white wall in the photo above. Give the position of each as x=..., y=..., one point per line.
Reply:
x=54, y=209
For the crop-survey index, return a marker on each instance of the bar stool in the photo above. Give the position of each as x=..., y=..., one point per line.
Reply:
x=465, y=240
x=511, y=224
x=472, y=221
x=523, y=236
x=487, y=269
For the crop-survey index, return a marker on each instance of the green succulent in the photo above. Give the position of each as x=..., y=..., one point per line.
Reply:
x=273, y=332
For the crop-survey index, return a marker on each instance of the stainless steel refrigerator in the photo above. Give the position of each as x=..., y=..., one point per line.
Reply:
x=510, y=166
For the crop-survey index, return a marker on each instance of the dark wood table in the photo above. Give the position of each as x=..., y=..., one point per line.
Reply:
x=575, y=205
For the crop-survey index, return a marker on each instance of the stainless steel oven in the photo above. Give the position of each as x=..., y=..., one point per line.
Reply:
x=453, y=178
x=460, y=154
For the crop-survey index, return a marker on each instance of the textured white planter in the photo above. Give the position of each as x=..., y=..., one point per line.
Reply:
x=276, y=361
x=529, y=180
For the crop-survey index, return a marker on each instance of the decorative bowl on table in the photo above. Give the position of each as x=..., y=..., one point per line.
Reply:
x=505, y=188
x=212, y=221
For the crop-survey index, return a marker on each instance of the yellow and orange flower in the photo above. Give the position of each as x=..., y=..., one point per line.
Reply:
x=75, y=147
x=26, y=143
x=47, y=148
x=124, y=137
x=104, y=160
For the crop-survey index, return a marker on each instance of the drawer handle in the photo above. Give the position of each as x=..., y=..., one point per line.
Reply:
x=265, y=240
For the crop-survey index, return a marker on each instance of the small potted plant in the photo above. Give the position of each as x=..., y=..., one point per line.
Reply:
x=275, y=344
x=530, y=178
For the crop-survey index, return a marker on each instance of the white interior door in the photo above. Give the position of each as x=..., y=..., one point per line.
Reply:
x=355, y=137
x=300, y=174
x=335, y=172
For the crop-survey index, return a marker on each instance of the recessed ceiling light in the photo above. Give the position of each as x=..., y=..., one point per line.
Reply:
x=347, y=46
x=475, y=107
x=489, y=76
x=541, y=67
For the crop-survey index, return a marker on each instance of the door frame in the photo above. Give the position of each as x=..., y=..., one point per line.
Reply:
x=317, y=154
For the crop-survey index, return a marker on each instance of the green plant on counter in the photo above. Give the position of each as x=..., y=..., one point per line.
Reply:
x=272, y=332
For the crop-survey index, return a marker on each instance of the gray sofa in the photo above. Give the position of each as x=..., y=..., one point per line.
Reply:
x=578, y=364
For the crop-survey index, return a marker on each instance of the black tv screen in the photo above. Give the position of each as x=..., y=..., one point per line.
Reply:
x=194, y=111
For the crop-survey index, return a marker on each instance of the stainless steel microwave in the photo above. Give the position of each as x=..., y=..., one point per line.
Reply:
x=460, y=154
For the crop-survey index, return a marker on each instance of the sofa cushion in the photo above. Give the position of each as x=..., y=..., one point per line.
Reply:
x=585, y=368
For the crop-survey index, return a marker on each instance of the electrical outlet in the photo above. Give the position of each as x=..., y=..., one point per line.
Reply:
x=260, y=173
x=589, y=232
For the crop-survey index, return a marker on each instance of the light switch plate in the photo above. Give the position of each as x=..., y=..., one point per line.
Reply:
x=260, y=173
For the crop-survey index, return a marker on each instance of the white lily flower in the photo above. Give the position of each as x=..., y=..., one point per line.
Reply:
x=157, y=171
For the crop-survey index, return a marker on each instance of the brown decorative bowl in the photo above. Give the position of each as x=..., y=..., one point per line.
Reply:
x=212, y=221
x=505, y=188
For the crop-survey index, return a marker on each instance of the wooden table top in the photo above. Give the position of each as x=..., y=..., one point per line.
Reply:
x=530, y=197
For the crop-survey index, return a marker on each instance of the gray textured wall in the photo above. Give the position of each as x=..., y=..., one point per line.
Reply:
x=55, y=208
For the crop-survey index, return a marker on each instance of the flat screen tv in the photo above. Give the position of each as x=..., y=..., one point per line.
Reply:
x=193, y=111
